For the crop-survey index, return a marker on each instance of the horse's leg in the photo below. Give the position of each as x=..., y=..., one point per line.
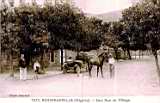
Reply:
x=110, y=70
x=97, y=70
x=90, y=68
x=113, y=71
x=74, y=69
x=102, y=71
x=87, y=67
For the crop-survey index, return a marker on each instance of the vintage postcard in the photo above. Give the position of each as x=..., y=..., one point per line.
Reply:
x=74, y=51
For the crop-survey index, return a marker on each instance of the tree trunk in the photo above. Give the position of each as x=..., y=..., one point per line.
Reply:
x=42, y=61
x=61, y=59
x=139, y=54
x=11, y=65
x=129, y=54
x=78, y=52
x=147, y=52
x=52, y=56
x=1, y=69
x=108, y=50
x=116, y=53
x=150, y=52
x=124, y=53
x=135, y=54
x=142, y=54
x=157, y=65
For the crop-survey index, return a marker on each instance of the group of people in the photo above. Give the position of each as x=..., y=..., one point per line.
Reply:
x=37, y=66
x=23, y=68
x=111, y=62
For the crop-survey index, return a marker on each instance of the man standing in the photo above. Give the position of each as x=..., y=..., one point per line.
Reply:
x=23, y=68
x=111, y=62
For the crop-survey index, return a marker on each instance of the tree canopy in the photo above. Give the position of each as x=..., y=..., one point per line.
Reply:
x=73, y=30
x=142, y=22
x=65, y=27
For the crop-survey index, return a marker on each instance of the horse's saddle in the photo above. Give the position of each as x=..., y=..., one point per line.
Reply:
x=94, y=60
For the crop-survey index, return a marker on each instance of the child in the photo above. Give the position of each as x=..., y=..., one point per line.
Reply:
x=36, y=68
x=111, y=62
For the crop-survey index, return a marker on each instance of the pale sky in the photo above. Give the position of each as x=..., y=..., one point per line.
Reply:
x=97, y=6
x=102, y=6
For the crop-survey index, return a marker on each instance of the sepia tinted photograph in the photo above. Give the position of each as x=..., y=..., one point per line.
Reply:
x=79, y=48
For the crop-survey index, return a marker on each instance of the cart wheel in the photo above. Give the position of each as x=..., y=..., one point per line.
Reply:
x=64, y=69
x=86, y=67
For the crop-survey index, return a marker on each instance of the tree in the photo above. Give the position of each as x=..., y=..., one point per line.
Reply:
x=131, y=19
x=71, y=30
x=145, y=18
x=9, y=39
x=66, y=28
x=23, y=27
x=92, y=34
x=112, y=36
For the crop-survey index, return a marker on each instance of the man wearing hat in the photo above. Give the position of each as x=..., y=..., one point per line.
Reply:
x=23, y=68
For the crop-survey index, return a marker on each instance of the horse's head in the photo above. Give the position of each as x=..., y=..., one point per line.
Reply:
x=104, y=56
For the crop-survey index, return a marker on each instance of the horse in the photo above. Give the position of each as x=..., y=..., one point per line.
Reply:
x=98, y=61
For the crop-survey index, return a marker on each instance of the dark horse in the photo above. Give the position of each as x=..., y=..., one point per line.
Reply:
x=98, y=61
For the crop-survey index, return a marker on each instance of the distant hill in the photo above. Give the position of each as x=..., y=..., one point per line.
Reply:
x=110, y=16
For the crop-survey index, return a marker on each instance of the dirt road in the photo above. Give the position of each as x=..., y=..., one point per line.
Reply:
x=132, y=78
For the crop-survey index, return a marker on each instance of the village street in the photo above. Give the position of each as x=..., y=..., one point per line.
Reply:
x=132, y=78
